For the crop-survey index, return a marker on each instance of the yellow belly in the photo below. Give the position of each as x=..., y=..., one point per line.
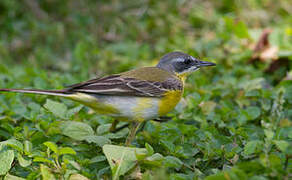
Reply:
x=168, y=102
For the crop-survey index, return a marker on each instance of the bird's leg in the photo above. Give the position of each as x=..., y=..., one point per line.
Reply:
x=141, y=127
x=160, y=119
x=133, y=129
x=114, y=125
x=120, y=128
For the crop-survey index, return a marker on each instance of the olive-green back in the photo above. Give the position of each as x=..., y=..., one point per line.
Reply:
x=149, y=74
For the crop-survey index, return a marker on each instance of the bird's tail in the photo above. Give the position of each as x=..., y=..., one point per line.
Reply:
x=62, y=93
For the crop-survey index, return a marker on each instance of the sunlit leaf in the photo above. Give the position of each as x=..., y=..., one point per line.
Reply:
x=149, y=149
x=46, y=173
x=11, y=177
x=99, y=140
x=171, y=161
x=253, y=112
x=251, y=147
x=58, y=109
x=15, y=144
x=78, y=177
x=6, y=159
x=52, y=146
x=121, y=159
x=42, y=159
x=281, y=144
x=66, y=150
x=22, y=161
x=76, y=130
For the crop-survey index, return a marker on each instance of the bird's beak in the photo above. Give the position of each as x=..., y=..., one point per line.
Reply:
x=206, y=63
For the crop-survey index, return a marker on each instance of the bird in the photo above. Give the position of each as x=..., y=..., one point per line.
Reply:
x=136, y=95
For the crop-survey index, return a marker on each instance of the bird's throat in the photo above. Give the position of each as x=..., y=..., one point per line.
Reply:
x=182, y=77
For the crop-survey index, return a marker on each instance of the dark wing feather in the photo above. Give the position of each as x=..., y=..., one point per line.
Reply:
x=125, y=86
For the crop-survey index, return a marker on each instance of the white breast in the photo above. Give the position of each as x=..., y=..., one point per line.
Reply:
x=143, y=108
x=126, y=107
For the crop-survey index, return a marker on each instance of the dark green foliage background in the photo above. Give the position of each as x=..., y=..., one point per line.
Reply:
x=233, y=123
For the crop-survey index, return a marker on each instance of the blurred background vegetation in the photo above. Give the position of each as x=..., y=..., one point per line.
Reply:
x=238, y=112
x=95, y=34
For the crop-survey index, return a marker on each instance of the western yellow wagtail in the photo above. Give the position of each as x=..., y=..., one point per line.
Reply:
x=135, y=96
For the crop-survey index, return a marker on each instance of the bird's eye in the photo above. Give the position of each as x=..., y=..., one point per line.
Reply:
x=187, y=61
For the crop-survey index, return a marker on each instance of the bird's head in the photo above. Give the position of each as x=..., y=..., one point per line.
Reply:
x=181, y=64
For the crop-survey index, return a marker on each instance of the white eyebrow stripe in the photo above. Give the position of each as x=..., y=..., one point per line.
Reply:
x=180, y=59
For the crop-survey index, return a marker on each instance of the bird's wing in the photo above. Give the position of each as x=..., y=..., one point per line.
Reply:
x=126, y=86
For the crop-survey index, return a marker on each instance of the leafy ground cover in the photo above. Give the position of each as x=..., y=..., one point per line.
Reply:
x=233, y=123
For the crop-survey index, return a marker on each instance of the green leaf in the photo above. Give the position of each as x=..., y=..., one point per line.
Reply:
x=6, y=159
x=155, y=157
x=103, y=128
x=171, y=161
x=258, y=178
x=290, y=134
x=42, y=159
x=121, y=159
x=271, y=160
x=73, y=163
x=58, y=109
x=98, y=159
x=269, y=134
x=154, y=160
x=118, y=135
x=17, y=145
x=281, y=144
x=34, y=106
x=208, y=107
x=241, y=30
x=78, y=177
x=149, y=149
x=250, y=166
x=168, y=145
x=27, y=147
x=52, y=146
x=11, y=177
x=99, y=140
x=46, y=173
x=253, y=112
x=251, y=147
x=76, y=130
x=275, y=162
x=73, y=111
x=66, y=150
x=252, y=93
x=23, y=162
x=233, y=174
x=253, y=84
